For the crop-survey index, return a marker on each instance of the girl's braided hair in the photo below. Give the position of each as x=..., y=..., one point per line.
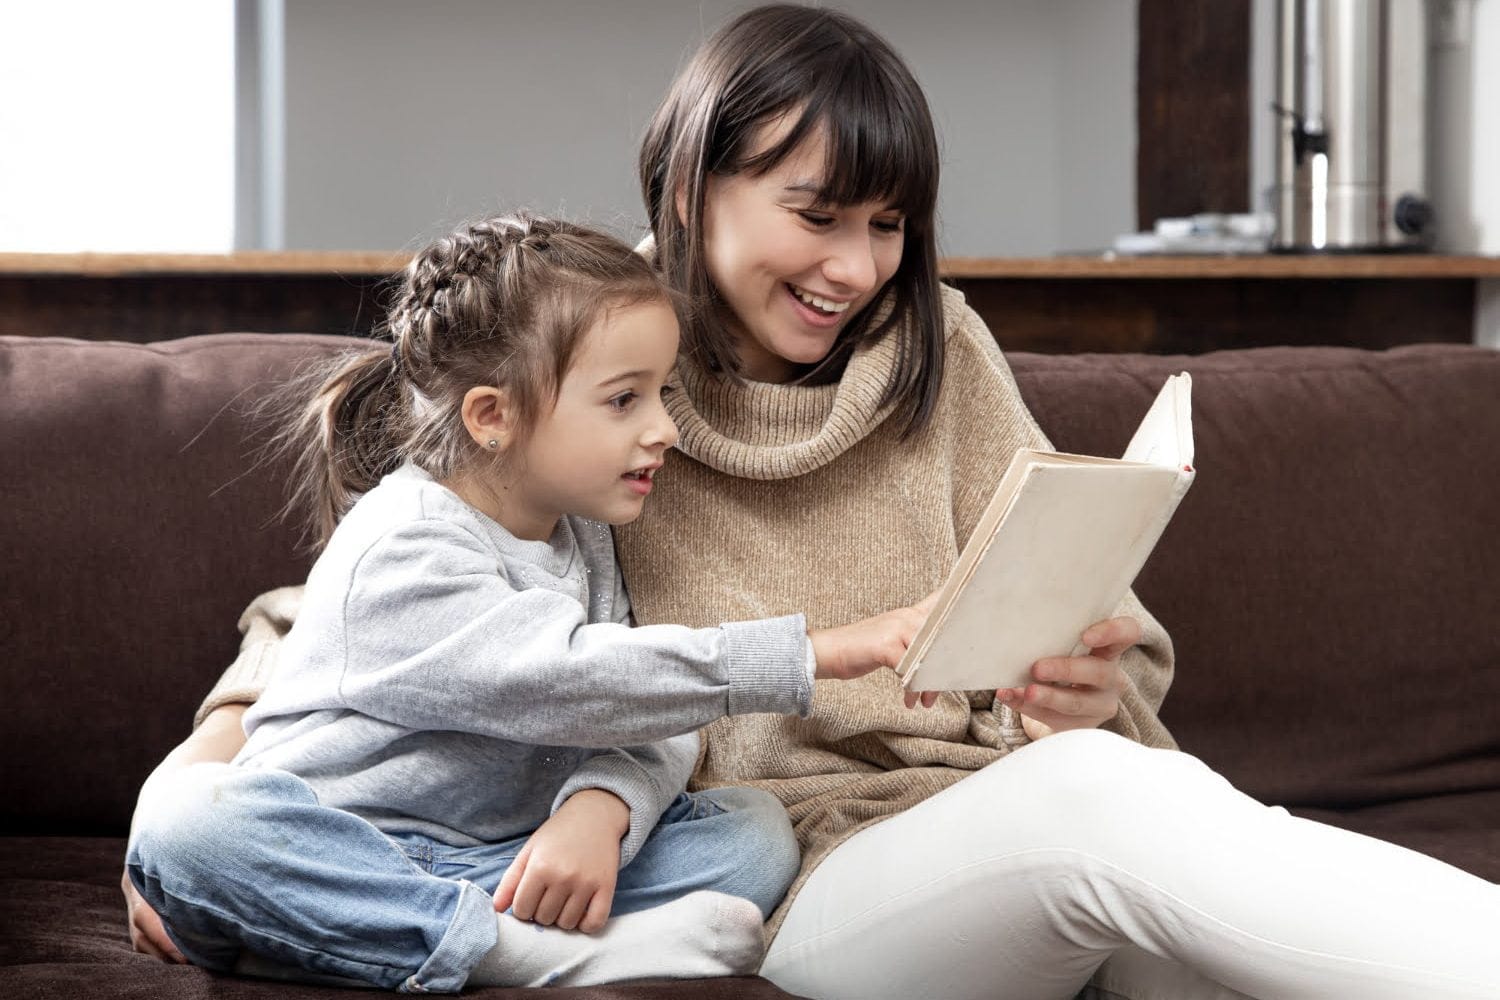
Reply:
x=505, y=302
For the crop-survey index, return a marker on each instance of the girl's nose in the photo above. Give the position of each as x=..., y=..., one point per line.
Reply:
x=662, y=431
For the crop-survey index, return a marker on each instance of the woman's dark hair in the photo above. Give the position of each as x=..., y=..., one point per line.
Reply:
x=503, y=302
x=837, y=78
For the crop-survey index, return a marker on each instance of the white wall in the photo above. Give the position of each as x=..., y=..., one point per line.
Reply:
x=404, y=118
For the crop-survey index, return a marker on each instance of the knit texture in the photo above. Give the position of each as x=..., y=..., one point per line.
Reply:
x=785, y=498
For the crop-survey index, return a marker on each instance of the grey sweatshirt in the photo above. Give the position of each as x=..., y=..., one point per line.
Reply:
x=448, y=679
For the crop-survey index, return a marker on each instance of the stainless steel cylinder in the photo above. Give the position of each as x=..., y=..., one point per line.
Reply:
x=1351, y=135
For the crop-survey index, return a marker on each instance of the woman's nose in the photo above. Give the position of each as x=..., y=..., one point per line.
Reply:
x=851, y=264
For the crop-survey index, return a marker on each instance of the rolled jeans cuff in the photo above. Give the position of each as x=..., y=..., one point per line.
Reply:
x=469, y=937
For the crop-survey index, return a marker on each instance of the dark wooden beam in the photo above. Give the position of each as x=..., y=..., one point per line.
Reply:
x=1192, y=108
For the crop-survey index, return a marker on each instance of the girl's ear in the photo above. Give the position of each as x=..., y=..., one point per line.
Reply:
x=489, y=417
x=679, y=200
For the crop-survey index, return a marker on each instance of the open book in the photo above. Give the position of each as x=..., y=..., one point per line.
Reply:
x=1054, y=552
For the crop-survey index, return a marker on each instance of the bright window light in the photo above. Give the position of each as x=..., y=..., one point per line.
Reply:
x=117, y=126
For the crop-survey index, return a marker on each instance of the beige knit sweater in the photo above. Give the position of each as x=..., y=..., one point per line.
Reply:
x=804, y=498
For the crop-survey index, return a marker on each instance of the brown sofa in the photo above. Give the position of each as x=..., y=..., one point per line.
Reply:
x=1332, y=582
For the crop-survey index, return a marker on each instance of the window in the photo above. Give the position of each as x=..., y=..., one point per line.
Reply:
x=117, y=126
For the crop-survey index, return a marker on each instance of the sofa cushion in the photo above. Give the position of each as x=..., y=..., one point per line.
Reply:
x=1330, y=579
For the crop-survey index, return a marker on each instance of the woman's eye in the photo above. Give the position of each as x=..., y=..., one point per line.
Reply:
x=889, y=225
x=816, y=219
x=622, y=401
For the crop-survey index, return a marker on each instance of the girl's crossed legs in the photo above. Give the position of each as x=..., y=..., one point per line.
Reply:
x=245, y=860
x=1019, y=881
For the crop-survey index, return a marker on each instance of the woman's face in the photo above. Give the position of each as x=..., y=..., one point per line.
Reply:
x=792, y=273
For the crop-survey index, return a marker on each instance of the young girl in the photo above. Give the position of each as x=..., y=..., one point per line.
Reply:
x=463, y=722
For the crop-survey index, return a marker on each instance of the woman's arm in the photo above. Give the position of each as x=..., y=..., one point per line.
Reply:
x=264, y=625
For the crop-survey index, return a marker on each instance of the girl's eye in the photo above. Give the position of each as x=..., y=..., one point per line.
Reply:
x=622, y=401
x=816, y=219
x=889, y=225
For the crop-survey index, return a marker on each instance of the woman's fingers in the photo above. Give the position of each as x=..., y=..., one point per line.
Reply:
x=927, y=698
x=1110, y=638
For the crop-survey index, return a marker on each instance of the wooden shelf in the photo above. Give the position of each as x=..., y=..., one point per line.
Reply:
x=1410, y=265
x=377, y=264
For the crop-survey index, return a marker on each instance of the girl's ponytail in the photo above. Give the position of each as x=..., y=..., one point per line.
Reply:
x=340, y=426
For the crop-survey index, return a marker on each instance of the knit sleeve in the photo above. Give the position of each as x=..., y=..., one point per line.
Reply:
x=263, y=625
x=988, y=421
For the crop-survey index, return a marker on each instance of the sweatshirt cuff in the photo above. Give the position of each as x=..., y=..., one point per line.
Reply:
x=768, y=666
x=633, y=785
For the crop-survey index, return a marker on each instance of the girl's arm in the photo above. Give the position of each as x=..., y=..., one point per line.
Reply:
x=430, y=636
x=646, y=778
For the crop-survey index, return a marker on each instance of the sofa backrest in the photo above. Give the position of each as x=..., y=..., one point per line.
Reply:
x=132, y=538
x=1330, y=580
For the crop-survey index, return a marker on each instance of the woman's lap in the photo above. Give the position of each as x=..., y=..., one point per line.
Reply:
x=1023, y=879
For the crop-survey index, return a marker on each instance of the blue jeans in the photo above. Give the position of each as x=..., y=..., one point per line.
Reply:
x=246, y=859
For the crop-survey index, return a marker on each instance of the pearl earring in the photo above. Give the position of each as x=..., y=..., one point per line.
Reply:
x=492, y=443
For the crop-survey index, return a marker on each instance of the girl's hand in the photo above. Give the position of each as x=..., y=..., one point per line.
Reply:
x=851, y=651
x=565, y=875
x=1076, y=692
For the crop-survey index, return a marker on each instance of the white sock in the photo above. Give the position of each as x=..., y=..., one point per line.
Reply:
x=702, y=934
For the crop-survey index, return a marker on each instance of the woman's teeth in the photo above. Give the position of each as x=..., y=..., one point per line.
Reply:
x=818, y=302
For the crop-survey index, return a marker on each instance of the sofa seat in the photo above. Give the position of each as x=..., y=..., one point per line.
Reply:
x=63, y=935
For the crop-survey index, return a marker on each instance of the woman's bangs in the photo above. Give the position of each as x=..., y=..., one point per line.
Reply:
x=880, y=147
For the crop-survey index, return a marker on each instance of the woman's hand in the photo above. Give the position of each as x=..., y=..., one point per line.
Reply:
x=854, y=650
x=1076, y=692
x=565, y=875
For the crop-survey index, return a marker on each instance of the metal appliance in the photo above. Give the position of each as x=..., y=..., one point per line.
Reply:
x=1351, y=143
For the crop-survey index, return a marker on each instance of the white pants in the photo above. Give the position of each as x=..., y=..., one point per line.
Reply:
x=1086, y=849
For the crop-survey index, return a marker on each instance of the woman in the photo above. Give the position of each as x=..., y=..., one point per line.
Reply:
x=843, y=420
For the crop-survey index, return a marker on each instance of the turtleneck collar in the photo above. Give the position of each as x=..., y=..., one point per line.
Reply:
x=762, y=430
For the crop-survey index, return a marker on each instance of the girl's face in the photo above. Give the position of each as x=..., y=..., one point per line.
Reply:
x=792, y=272
x=594, y=453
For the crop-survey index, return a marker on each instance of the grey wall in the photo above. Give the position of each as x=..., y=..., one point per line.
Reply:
x=404, y=118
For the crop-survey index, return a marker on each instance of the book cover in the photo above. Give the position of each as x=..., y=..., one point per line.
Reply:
x=1055, y=551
